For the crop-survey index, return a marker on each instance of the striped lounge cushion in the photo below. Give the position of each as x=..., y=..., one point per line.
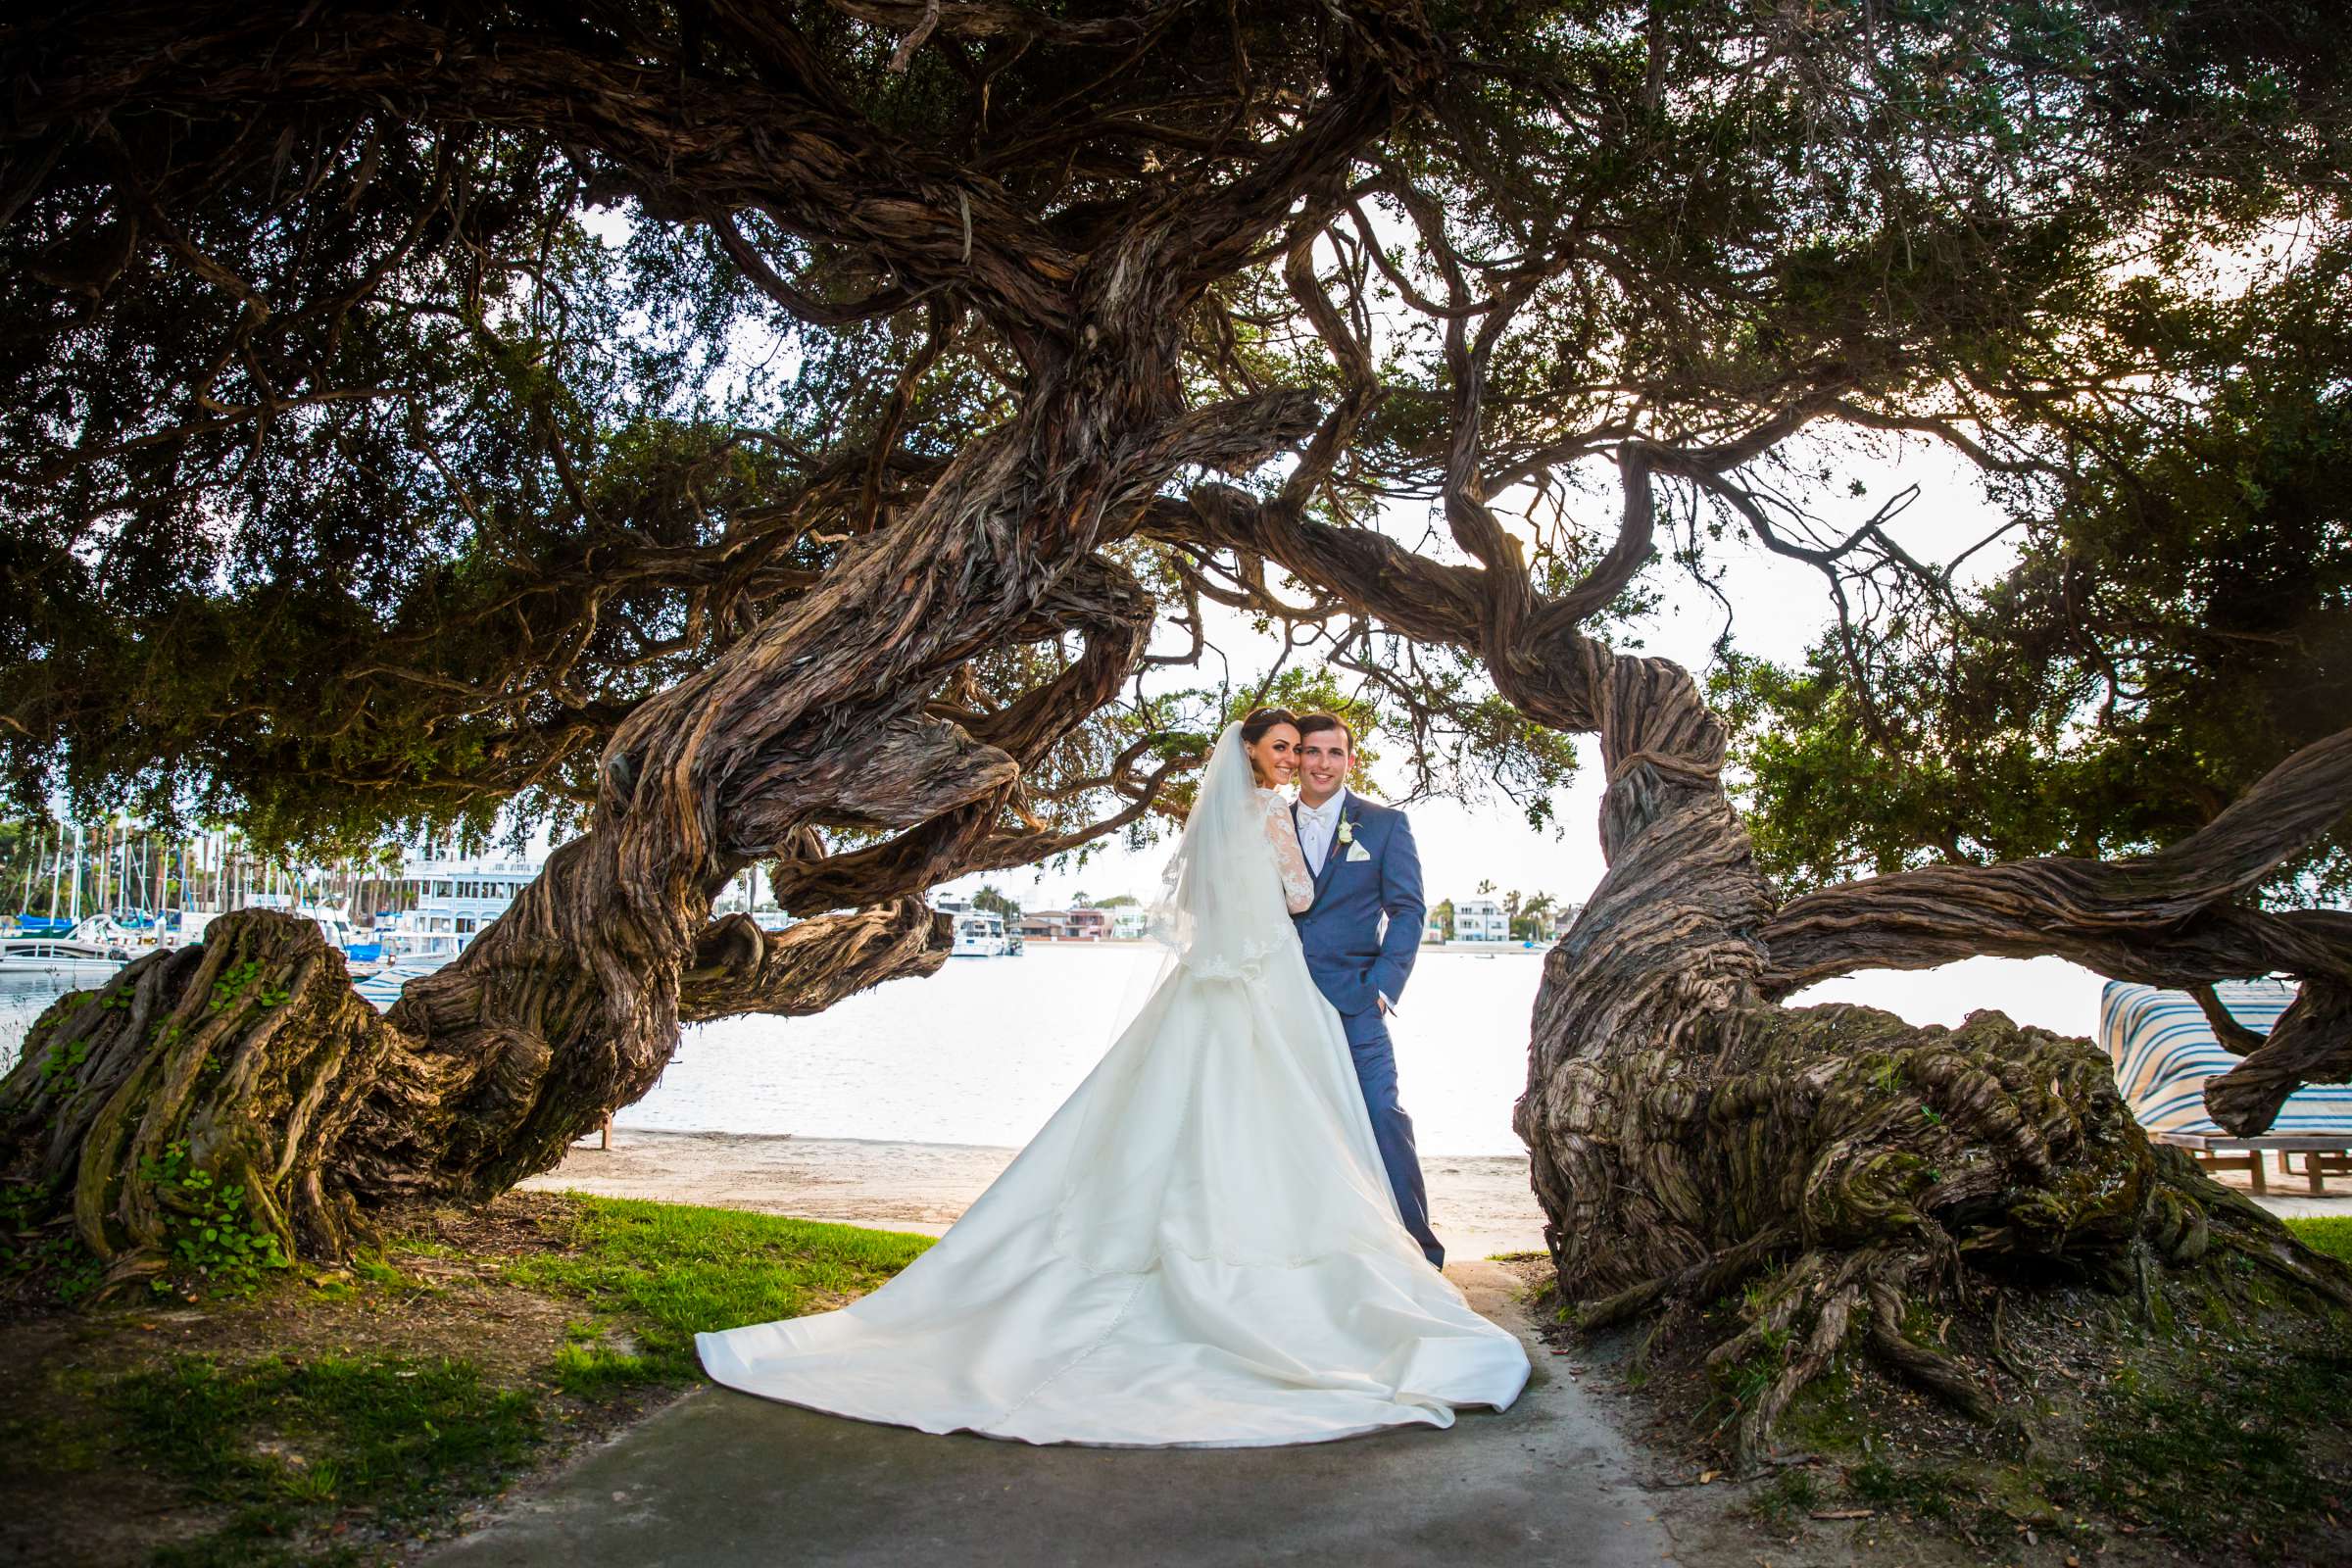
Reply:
x=2164, y=1050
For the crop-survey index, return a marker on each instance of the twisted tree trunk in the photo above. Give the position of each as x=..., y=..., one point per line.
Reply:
x=1688, y=1135
x=254, y=1052
x=254, y=1058
x=569, y=1004
x=285, y=1083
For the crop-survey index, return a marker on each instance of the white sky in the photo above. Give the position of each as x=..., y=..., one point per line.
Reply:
x=1780, y=607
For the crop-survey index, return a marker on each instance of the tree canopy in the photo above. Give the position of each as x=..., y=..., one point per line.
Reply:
x=406, y=397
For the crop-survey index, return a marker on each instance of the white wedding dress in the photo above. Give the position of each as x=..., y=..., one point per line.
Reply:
x=1200, y=1249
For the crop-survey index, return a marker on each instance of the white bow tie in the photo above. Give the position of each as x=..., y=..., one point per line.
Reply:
x=1323, y=813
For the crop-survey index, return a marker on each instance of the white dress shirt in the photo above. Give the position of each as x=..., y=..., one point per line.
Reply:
x=1317, y=825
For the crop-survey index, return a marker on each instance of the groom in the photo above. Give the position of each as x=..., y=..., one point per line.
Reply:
x=1365, y=866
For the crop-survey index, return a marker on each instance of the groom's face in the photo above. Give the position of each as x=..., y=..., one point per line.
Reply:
x=1323, y=763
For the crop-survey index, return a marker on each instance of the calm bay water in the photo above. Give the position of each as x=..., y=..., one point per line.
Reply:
x=20, y=1005
x=983, y=1051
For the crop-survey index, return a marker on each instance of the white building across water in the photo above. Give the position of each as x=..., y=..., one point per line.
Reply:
x=1480, y=920
x=454, y=899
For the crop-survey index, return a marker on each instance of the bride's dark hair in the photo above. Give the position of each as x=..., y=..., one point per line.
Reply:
x=1259, y=721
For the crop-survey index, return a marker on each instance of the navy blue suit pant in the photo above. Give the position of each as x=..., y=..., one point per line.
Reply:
x=1376, y=1069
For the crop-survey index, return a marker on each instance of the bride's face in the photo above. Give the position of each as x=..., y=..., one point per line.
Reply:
x=1274, y=756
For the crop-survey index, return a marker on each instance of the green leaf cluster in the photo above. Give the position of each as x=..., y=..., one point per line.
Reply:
x=2176, y=620
x=215, y=1242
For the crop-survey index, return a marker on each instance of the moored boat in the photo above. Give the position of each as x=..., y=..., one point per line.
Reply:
x=979, y=935
x=58, y=961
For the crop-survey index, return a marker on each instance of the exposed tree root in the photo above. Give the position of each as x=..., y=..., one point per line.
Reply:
x=239, y=1098
x=1823, y=1335
x=1860, y=1172
x=1702, y=1280
x=245, y=1058
x=1917, y=1365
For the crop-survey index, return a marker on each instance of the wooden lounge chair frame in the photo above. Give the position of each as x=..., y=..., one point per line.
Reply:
x=2323, y=1156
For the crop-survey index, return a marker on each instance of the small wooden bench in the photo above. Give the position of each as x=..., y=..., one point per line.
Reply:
x=2321, y=1156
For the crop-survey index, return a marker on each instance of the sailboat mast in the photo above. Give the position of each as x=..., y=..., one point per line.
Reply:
x=39, y=839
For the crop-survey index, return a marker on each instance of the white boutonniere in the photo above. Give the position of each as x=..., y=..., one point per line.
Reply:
x=1347, y=831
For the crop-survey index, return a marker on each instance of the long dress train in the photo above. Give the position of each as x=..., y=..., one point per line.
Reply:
x=1200, y=1249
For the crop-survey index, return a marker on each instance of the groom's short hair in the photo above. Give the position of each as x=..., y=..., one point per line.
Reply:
x=1316, y=723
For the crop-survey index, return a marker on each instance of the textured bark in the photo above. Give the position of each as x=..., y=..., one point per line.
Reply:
x=252, y=1050
x=1687, y=1136
x=807, y=967
x=2311, y=1043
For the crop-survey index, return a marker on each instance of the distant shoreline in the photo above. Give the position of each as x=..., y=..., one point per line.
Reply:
x=1482, y=949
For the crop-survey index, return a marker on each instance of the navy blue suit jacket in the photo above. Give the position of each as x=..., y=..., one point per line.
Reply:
x=1352, y=963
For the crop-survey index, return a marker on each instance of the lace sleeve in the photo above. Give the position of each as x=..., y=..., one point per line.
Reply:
x=1282, y=836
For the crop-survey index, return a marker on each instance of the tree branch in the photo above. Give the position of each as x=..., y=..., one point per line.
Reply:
x=2311, y=1043
x=2168, y=918
x=812, y=965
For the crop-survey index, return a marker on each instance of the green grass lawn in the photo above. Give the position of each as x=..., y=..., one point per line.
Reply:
x=2332, y=1235
x=278, y=1457
x=282, y=1445
x=668, y=1271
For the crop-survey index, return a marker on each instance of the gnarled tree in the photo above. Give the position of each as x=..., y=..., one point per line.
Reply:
x=819, y=512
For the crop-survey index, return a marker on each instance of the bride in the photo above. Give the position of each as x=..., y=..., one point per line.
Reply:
x=1201, y=1247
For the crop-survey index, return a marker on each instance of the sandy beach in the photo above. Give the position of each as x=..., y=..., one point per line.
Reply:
x=1480, y=1204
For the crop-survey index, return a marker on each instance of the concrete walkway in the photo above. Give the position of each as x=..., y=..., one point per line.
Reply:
x=721, y=1479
